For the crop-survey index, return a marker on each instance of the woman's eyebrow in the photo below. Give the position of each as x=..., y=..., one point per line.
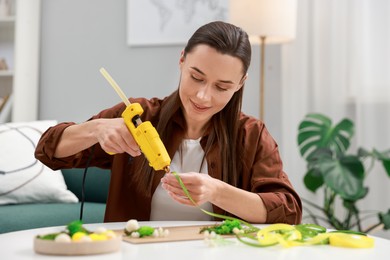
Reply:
x=222, y=81
x=198, y=70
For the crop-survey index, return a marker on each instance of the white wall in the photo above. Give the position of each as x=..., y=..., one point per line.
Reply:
x=80, y=36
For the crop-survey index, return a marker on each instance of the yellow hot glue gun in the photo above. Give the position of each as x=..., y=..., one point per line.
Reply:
x=144, y=133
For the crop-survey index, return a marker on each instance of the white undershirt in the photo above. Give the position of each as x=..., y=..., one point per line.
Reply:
x=163, y=206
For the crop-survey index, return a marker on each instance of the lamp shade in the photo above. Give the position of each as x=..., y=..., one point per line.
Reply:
x=273, y=19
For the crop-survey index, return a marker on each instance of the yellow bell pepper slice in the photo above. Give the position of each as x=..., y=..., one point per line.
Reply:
x=350, y=240
x=317, y=240
x=268, y=235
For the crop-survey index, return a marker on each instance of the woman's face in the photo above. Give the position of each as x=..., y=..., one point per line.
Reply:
x=208, y=81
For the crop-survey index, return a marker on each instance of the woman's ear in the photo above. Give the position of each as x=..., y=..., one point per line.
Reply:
x=242, y=81
x=182, y=58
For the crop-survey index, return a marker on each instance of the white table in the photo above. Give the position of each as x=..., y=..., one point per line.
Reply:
x=19, y=245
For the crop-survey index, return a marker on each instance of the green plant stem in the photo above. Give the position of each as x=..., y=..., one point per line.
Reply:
x=329, y=200
x=370, y=212
x=328, y=215
x=372, y=164
x=358, y=221
x=315, y=219
x=313, y=205
x=374, y=227
x=347, y=220
x=361, y=219
x=313, y=216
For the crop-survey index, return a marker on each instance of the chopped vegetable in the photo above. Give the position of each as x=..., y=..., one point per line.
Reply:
x=132, y=225
x=305, y=235
x=272, y=234
x=309, y=230
x=225, y=228
x=134, y=230
x=145, y=231
x=350, y=240
x=284, y=234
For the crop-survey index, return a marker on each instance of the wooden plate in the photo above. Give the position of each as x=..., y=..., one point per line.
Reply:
x=178, y=233
x=50, y=247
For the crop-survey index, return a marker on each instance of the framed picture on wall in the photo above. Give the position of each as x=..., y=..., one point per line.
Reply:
x=170, y=22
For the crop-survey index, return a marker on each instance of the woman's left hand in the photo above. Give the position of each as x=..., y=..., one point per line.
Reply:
x=201, y=187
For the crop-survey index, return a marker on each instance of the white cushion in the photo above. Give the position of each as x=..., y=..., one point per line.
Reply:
x=23, y=179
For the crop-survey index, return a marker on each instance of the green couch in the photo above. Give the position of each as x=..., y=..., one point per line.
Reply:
x=28, y=216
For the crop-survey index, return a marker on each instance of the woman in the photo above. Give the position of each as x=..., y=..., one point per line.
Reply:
x=228, y=161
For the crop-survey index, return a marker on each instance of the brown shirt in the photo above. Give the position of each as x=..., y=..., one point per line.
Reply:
x=262, y=168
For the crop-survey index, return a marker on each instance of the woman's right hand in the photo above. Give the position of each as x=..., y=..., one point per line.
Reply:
x=112, y=134
x=114, y=137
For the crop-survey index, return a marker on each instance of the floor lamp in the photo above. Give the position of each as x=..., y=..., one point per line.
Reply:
x=266, y=22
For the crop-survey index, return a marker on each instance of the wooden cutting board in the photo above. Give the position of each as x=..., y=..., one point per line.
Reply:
x=180, y=233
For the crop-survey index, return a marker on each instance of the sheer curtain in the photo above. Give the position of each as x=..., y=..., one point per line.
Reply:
x=339, y=65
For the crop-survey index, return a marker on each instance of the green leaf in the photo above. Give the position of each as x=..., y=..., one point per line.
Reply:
x=386, y=165
x=316, y=132
x=385, y=219
x=342, y=134
x=313, y=180
x=354, y=165
x=350, y=206
x=344, y=177
x=318, y=155
x=363, y=152
x=385, y=158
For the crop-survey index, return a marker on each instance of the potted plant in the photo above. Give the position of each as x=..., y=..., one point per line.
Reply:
x=340, y=175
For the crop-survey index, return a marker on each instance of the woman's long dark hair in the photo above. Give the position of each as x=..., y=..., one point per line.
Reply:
x=224, y=126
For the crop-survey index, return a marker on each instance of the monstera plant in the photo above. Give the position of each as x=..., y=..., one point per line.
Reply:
x=339, y=174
